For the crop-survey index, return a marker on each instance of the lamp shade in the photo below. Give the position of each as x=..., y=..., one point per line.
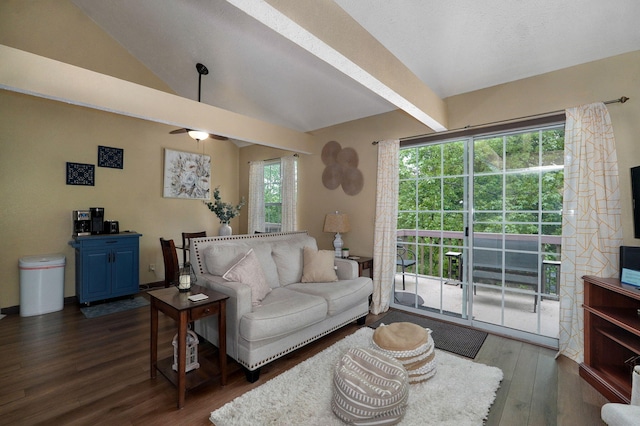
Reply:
x=336, y=222
x=198, y=135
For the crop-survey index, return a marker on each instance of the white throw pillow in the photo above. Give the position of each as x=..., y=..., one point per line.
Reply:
x=288, y=258
x=248, y=271
x=220, y=257
x=263, y=253
x=318, y=266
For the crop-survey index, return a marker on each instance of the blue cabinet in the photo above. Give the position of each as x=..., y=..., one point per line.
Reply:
x=107, y=266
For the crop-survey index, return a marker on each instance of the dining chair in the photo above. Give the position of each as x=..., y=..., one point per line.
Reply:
x=403, y=260
x=170, y=257
x=186, y=236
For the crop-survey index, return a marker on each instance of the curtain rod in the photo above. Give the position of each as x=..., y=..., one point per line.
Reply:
x=277, y=158
x=621, y=100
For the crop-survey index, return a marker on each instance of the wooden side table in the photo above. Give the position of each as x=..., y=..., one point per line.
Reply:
x=177, y=306
x=363, y=263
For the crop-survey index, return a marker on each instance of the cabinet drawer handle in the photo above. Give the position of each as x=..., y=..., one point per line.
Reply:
x=207, y=310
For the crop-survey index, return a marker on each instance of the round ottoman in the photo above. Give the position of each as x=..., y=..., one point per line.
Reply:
x=411, y=345
x=369, y=388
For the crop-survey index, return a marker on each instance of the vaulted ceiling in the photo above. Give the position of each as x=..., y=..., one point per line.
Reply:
x=287, y=61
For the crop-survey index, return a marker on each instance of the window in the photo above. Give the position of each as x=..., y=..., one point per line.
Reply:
x=272, y=196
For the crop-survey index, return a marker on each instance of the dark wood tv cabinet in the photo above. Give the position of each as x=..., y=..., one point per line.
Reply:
x=611, y=336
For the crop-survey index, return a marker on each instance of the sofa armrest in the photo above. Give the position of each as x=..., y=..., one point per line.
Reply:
x=346, y=269
x=239, y=302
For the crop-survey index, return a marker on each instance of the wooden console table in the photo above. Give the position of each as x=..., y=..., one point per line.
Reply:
x=611, y=336
x=177, y=306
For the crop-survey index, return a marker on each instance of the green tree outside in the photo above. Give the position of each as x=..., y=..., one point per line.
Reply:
x=517, y=189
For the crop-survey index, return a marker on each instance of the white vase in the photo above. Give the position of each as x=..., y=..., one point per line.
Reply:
x=225, y=229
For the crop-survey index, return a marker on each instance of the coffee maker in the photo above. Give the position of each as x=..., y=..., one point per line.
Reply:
x=97, y=220
x=81, y=222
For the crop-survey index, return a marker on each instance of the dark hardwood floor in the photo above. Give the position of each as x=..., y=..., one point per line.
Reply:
x=63, y=369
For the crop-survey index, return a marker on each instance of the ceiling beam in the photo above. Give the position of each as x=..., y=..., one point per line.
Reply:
x=35, y=75
x=325, y=30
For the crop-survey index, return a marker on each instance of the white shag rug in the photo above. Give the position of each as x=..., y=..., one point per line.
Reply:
x=460, y=393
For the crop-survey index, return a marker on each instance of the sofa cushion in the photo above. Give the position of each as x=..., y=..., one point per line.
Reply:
x=339, y=295
x=249, y=271
x=263, y=252
x=288, y=258
x=220, y=257
x=282, y=312
x=318, y=266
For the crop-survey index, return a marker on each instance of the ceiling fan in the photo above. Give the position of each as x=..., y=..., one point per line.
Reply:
x=197, y=134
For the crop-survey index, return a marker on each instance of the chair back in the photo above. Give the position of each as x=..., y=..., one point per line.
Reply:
x=170, y=257
x=186, y=236
x=403, y=252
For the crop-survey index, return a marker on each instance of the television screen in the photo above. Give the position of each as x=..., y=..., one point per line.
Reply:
x=635, y=194
x=630, y=266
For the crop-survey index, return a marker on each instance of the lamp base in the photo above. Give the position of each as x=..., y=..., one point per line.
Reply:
x=337, y=245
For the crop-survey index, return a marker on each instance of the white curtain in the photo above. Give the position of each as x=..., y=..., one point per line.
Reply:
x=386, y=220
x=256, y=197
x=288, y=192
x=591, y=223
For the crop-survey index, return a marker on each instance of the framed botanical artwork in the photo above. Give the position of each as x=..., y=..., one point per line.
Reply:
x=186, y=175
x=110, y=157
x=80, y=174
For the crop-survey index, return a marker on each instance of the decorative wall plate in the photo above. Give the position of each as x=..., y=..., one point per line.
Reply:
x=110, y=157
x=341, y=168
x=80, y=174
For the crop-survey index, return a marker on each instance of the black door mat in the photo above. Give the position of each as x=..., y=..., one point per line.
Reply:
x=448, y=337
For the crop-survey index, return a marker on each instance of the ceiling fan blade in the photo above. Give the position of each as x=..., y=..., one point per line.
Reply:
x=218, y=137
x=178, y=131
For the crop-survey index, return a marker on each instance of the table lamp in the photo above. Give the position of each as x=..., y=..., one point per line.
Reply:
x=337, y=222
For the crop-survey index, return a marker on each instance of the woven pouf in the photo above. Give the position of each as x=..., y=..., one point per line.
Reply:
x=369, y=388
x=411, y=345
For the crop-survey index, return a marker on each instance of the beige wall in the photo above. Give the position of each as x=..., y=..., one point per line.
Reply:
x=38, y=137
x=316, y=201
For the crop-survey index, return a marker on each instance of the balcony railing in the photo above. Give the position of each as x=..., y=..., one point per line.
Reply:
x=521, y=256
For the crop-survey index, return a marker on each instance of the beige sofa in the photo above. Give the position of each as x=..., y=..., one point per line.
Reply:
x=293, y=313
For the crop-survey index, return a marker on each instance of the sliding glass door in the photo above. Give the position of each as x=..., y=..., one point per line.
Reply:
x=516, y=239
x=479, y=231
x=432, y=218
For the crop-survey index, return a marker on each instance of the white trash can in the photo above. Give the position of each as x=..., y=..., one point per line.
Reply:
x=41, y=284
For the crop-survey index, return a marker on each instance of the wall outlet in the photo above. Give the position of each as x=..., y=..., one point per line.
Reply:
x=152, y=267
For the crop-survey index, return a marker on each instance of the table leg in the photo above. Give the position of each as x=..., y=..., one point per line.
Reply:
x=153, y=355
x=222, y=341
x=182, y=355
